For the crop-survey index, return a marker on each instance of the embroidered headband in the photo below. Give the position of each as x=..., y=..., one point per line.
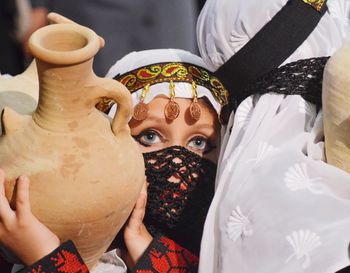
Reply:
x=176, y=72
x=169, y=72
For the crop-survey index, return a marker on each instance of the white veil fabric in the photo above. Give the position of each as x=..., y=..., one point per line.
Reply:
x=225, y=26
x=278, y=206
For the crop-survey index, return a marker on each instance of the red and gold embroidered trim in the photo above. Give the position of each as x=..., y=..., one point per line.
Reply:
x=316, y=4
x=176, y=72
x=166, y=72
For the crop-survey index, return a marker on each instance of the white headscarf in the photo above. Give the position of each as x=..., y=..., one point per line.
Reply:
x=278, y=207
x=139, y=59
x=225, y=26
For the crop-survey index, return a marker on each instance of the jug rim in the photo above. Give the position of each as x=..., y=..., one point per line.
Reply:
x=45, y=43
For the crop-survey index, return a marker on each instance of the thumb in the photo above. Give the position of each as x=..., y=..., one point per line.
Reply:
x=137, y=215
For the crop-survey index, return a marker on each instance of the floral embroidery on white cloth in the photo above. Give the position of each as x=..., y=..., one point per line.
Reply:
x=296, y=178
x=264, y=150
x=303, y=242
x=238, y=225
x=244, y=113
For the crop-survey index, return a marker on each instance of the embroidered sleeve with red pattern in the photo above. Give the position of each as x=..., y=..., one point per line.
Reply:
x=64, y=259
x=164, y=255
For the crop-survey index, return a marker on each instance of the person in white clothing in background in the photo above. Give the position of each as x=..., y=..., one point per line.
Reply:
x=278, y=206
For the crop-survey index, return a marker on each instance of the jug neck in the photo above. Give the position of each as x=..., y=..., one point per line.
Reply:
x=65, y=102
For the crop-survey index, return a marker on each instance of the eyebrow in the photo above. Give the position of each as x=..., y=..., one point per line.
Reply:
x=203, y=126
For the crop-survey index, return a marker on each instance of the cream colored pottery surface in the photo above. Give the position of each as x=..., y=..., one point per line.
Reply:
x=336, y=107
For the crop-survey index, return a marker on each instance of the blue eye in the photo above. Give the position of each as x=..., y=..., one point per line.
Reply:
x=148, y=138
x=200, y=144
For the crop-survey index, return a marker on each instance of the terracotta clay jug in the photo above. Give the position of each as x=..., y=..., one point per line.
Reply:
x=21, y=92
x=336, y=108
x=85, y=172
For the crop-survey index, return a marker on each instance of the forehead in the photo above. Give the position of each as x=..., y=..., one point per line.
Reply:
x=156, y=113
x=157, y=105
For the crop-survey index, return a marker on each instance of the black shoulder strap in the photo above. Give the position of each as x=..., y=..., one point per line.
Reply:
x=271, y=46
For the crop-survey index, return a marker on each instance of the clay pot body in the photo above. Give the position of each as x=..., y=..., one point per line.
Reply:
x=336, y=108
x=85, y=172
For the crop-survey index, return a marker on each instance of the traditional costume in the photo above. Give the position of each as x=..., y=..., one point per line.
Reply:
x=175, y=212
x=278, y=206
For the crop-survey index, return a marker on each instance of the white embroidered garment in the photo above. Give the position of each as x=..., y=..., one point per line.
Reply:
x=278, y=206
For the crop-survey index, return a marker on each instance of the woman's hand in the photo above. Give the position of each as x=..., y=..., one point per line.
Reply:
x=136, y=236
x=21, y=233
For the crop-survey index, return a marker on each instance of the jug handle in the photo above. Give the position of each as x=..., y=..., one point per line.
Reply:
x=121, y=96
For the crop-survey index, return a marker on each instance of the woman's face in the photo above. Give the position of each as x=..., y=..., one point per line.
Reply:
x=156, y=132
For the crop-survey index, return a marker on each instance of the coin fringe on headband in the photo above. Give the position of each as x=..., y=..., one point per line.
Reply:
x=141, y=109
x=172, y=109
x=171, y=72
x=195, y=109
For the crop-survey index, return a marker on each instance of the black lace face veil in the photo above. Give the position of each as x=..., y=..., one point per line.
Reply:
x=180, y=190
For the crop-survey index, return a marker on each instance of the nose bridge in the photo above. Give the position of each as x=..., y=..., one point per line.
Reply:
x=176, y=140
x=178, y=133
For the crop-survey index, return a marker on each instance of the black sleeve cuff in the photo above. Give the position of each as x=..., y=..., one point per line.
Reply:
x=65, y=258
x=164, y=255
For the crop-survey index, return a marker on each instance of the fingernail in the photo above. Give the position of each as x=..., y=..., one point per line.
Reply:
x=22, y=178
